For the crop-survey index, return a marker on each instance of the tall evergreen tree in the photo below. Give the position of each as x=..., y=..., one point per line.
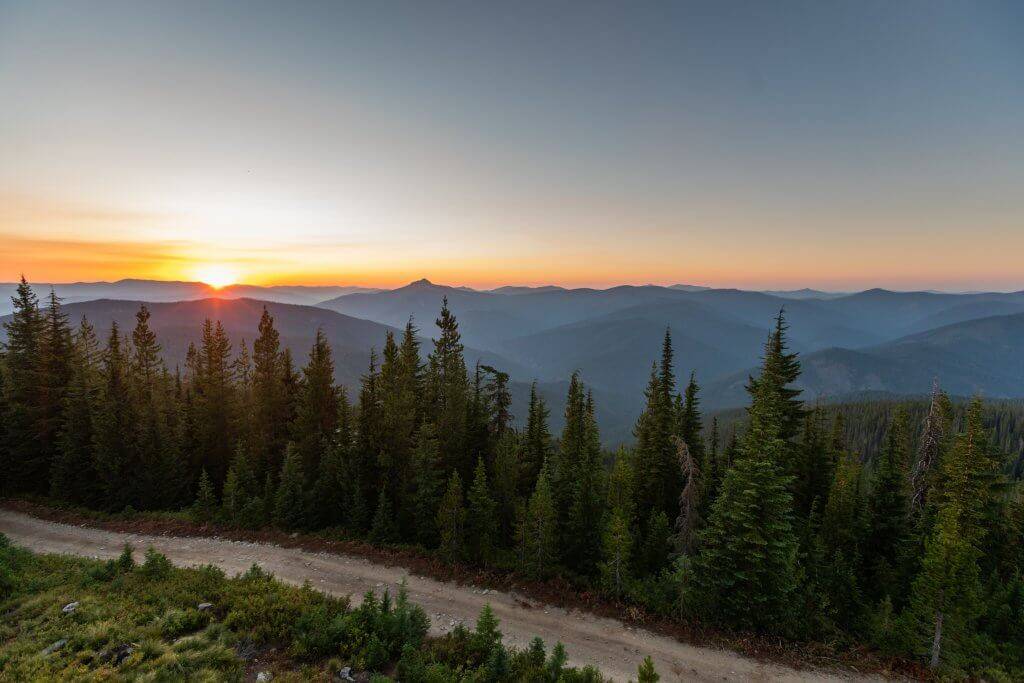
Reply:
x=889, y=508
x=73, y=477
x=270, y=402
x=537, y=535
x=536, y=442
x=290, y=503
x=317, y=415
x=428, y=485
x=56, y=358
x=447, y=392
x=586, y=507
x=26, y=456
x=934, y=440
x=617, y=551
x=481, y=518
x=451, y=521
x=113, y=454
x=746, y=571
x=215, y=403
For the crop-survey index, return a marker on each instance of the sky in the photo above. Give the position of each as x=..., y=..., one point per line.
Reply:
x=838, y=145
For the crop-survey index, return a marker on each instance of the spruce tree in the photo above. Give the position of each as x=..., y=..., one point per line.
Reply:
x=428, y=485
x=73, y=477
x=745, y=574
x=586, y=507
x=451, y=521
x=56, y=358
x=536, y=442
x=113, y=452
x=538, y=531
x=933, y=442
x=889, y=509
x=26, y=458
x=317, y=414
x=205, y=507
x=383, y=530
x=290, y=502
x=215, y=402
x=332, y=490
x=447, y=392
x=481, y=518
x=617, y=549
x=270, y=402
x=506, y=482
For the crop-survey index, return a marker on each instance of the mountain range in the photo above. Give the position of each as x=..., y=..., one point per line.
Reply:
x=873, y=341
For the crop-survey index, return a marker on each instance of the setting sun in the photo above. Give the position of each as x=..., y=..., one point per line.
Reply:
x=217, y=276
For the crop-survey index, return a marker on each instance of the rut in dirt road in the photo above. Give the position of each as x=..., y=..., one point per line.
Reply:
x=612, y=646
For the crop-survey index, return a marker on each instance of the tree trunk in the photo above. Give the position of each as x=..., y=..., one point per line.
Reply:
x=937, y=641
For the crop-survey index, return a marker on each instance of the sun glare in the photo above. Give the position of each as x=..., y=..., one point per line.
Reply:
x=216, y=276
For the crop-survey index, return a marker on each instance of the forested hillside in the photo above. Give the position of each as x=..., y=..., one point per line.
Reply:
x=778, y=528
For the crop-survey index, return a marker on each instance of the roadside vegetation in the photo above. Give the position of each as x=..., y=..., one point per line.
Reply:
x=72, y=618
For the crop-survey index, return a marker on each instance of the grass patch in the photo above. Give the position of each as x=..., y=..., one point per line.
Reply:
x=65, y=618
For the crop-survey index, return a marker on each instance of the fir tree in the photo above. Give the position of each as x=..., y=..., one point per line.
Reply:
x=428, y=485
x=26, y=456
x=889, y=508
x=270, y=401
x=506, y=482
x=745, y=573
x=331, y=490
x=317, y=416
x=937, y=427
x=290, y=502
x=481, y=519
x=383, y=528
x=113, y=455
x=56, y=358
x=586, y=507
x=448, y=392
x=538, y=532
x=451, y=520
x=617, y=551
x=536, y=442
x=73, y=477
x=646, y=673
x=688, y=521
x=657, y=543
x=205, y=507
x=215, y=402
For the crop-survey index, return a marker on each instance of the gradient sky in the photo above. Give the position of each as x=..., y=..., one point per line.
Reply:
x=765, y=144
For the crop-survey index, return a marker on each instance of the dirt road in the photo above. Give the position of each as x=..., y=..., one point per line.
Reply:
x=615, y=648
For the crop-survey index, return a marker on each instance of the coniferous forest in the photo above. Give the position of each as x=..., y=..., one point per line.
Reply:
x=895, y=527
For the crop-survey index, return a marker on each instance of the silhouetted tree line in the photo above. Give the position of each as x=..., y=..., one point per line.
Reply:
x=779, y=529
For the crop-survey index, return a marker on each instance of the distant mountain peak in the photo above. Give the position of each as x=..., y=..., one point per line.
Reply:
x=422, y=282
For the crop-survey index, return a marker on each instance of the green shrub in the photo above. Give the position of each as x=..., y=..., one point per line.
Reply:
x=126, y=561
x=177, y=622
x=156, y=566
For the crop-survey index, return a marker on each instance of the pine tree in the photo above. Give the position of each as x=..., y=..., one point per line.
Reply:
x=26, y=457
x=290, y=502
x=481, y=519
x=205, y=506
x=331, y=490
x=745, y=574
x=659, y=480
x=270, y=402
x=586, y=507
x=506, y=482
x=157, y=481
x=56, y=358
x=447, y=392
x=317, y=416
x=538, y=531
x=889, y=508
x=536, y=442
x=617, y=551
x=646, y=672
x=428, y=485
x=215, y=402
x=113, y=454
x=451, y=521
x=383, y=528
x=73, y=477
